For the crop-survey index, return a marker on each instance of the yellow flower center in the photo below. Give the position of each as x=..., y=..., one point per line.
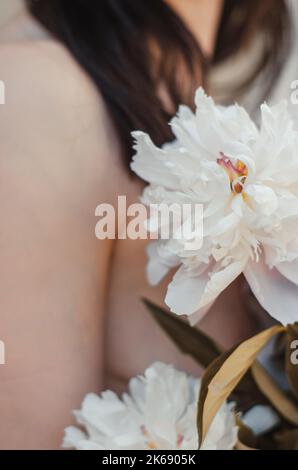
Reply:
x=237, y=172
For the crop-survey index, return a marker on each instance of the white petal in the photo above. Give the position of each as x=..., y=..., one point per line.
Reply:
x=160, y=261
x=72, y=437
x=224, y=225
x=185, y=292
x=218, y=125
x=221, y=279
x=90, y=445
x=289, y=270
x=262, y=199
x=170, y=389
x=277, y=295
x=222, y=434
x=151, y=163
x=276, y=118
x=184, y=128
x=238, y=205
x=188, y=294
x=196, y=317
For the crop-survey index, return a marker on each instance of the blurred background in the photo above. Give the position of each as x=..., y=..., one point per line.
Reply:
x=7, y=9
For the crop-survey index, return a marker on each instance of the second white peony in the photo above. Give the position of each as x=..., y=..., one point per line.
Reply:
x=158, y=413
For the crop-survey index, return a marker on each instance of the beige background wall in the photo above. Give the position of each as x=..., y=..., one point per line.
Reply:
x=8, y=9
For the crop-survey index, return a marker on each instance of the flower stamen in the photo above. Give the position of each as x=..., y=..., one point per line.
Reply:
x=151, y=445
x=237, y=173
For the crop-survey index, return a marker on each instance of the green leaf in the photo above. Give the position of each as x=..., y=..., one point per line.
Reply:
x=188, y=339
x=203, y=350
x=223, y=375
x=246, y=438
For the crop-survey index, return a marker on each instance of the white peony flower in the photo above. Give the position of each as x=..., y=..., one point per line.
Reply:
x=158, y=413
x=247, y=181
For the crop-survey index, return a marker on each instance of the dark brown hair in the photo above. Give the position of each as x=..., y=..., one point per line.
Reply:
x=132, y=47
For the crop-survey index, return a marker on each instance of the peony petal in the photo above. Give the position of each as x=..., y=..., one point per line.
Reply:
x=223, y=432
x=262, y=199
x=184, y=129
x=196, y=317
x=158, y=266
x=72, y=437
x=188, y=294
x=221, y=279
x=218, y=126
x=165, y=419
x=289, y=270
x=277, y=295
x=185, y=292
x=152, y=163
x=90, y=445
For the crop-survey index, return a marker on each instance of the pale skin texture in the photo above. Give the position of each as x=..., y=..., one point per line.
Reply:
x=70, y=310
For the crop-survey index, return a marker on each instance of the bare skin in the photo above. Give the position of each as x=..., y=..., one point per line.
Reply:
x=71, y=315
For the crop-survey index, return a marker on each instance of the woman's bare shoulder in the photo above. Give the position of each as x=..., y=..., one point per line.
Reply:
x=26, y=47
x=32, y=70
x=52, y=105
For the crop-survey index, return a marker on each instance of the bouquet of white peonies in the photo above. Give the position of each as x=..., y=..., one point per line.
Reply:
x=245, y=179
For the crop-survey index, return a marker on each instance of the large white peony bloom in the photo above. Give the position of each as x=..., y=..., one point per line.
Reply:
x=158, y=413
x=247, y=181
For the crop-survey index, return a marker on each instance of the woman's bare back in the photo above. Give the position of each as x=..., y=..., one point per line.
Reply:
x=71, y=315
